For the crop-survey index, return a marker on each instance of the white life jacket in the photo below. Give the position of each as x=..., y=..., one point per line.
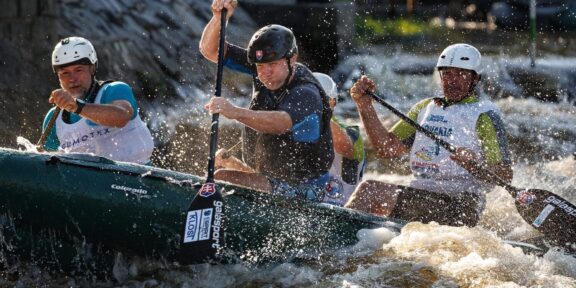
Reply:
x=338, y=191
x=431, y=164
x=131, y=143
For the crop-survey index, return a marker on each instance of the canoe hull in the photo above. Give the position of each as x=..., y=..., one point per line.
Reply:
x=95, y=207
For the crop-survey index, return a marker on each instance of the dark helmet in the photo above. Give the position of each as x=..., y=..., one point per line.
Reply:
x=271, y=43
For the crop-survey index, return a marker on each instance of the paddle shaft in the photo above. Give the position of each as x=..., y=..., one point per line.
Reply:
x=47, y=130
x=204, y=227
x=227, y=154
x=215, y=117
x=479, y=168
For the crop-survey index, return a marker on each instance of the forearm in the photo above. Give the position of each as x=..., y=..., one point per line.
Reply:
x=386, y=144
x=210, y=39
x=108, y=115
x=342, y=143
x=503, y=171
x=480, y=169
x=236, y=164
x=272, y=122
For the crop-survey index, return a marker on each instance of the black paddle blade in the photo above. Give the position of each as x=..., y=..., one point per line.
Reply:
x=549, y=213
x=203, y=238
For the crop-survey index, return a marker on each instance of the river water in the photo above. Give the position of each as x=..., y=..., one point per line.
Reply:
x=543, y=138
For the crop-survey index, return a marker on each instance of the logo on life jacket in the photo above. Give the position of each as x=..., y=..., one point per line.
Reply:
x=207, y=190
x=428, y=153
x=334, y=188
x=439, y=130
x=437, y=118
x=70, y=143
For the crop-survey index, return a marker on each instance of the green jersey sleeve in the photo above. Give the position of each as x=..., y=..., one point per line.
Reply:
x=492, y=136
x=404, y=131
x=354, y=135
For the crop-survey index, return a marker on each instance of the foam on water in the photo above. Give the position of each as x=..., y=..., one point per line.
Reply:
x=463, y=257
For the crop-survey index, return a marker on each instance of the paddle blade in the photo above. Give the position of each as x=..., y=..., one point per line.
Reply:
x=203, y=237
x=549, y=213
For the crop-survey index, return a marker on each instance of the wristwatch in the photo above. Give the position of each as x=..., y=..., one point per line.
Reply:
x=79, y=106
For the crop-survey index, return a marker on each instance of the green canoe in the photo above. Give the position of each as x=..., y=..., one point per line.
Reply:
x=67, y=211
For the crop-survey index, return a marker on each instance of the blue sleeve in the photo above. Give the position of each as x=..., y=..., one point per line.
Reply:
x=304, y=106
x=52, y=142
x=119, y=91
x=237, y=59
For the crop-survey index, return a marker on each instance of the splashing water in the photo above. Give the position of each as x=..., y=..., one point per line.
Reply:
x=28, y=146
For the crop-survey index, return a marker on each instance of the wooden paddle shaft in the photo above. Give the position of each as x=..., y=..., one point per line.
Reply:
x=47, y=130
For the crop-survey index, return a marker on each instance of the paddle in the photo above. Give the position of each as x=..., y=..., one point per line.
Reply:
x=47, y=130
x=549, y=213
x=227, y=154
x=203, y=237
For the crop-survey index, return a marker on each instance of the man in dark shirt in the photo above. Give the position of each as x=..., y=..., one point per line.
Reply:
x=287, y=143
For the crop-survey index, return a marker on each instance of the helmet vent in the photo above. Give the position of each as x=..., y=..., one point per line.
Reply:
x=443, y=56
x=464, y=58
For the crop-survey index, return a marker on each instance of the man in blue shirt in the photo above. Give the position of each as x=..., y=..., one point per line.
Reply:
x=96, y=117
x=287, y=143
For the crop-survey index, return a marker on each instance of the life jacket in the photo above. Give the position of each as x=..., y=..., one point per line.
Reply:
x=280, y=156
x=345, y=174
x=131, y=143
x=431, y=164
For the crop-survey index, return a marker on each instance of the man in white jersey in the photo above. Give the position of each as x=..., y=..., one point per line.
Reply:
x=442, y=191
x=96, y=117
x=349, y=155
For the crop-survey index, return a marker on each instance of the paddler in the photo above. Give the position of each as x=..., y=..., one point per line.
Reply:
x=287, y=143
x=95, y=116
x=442, y=190
x=349, y=154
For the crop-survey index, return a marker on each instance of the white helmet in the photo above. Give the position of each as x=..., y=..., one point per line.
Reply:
x=327, y=83
x=460, y=56
x=73, y=49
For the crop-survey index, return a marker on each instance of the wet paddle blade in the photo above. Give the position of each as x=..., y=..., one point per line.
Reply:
x=549, y=213
x=203, y=237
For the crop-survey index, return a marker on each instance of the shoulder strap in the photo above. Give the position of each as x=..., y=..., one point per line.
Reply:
x=91, y=97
